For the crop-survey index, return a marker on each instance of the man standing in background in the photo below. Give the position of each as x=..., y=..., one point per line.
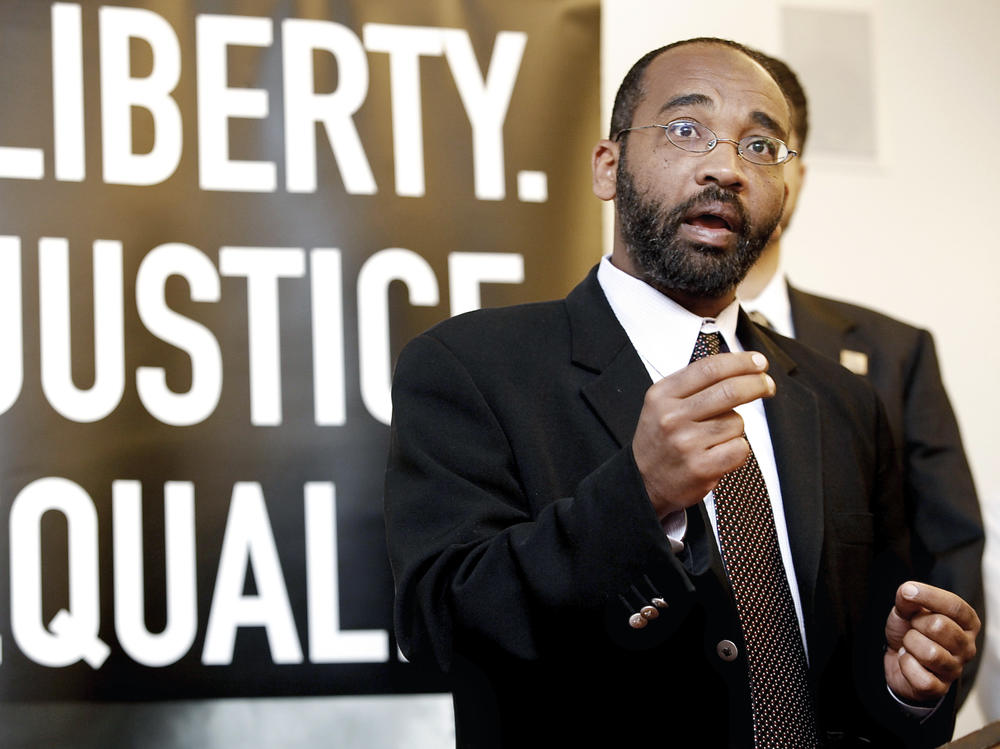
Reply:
x=900, y=362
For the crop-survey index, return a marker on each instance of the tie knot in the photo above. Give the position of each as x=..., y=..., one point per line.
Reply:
x=708, y=344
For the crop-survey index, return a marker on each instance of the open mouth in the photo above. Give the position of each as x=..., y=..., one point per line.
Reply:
x=715, y=217
x=710, y=221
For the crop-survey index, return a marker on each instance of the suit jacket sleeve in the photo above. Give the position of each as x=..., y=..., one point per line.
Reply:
x=941, y=504
x=890, y=570
x=948, y=526
x=475, y=560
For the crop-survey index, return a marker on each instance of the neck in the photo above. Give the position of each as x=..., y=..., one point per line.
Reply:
x=762, y=272
x=698, y=305
x=701, y=306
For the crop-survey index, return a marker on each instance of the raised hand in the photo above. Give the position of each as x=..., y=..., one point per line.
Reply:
x=931, y=634
x=688, y=434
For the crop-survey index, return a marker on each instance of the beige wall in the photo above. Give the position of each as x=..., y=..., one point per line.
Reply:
x=915, y=231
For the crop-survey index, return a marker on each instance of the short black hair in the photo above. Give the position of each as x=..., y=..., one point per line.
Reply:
x=630, y=92
x=793, y=91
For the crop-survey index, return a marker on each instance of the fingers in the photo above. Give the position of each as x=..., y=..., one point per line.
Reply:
x=933, y=656
x=908, y=678
x=728, y=456
x=714, y=385
x=912, y=598
x=711, y=432
x=705, y=372
x=896, y=627
x=726, y=395
x=709, y=465
x=931, y=634
x=944, y=633
x=688, y=435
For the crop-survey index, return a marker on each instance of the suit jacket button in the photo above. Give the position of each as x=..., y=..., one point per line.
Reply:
x=726, y=650
x=637, y=621
x=649, y=612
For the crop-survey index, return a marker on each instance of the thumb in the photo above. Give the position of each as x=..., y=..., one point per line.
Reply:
x=906, y=603
x=897, y=624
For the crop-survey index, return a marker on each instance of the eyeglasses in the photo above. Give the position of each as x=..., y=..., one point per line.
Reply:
x=689, y=135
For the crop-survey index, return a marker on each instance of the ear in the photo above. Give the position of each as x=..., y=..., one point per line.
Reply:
x=604, y=166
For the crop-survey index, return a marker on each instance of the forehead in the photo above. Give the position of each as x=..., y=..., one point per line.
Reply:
x=717, y=79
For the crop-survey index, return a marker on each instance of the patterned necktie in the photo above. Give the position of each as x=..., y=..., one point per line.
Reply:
x=783, y=715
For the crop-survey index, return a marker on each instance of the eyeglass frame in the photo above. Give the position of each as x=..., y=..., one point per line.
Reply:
x=792, y=153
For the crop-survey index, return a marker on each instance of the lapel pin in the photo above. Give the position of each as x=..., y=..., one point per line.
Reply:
x=856, y=361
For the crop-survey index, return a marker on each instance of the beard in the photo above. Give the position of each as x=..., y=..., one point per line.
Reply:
x=669, y=262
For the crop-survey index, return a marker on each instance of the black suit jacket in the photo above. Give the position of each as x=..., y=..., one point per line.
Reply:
x=941, y=505
x=521, y=539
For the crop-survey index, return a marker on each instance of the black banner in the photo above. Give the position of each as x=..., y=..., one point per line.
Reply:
x=219, y=221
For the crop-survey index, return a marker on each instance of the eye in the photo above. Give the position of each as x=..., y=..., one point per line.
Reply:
x=762, y=149
x=686, y=130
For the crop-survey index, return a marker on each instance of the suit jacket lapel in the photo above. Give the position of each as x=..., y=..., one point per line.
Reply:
x=823, y=327
x=793, y=421
x=616, y=395
x=601, y=345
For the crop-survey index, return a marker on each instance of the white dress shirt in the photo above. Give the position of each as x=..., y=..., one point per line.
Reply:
x=772, y=302
x=663, y=334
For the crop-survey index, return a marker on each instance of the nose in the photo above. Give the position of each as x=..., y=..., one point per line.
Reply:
x=723, y=166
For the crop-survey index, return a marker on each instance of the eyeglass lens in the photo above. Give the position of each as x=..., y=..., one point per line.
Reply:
x=690, y=135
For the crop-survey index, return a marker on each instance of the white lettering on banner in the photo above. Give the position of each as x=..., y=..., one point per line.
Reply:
x=22, y=163
x=248, y=546
x=263, y=268
x=405, y=45
x=374, y=357
x=304, y=108
x=198, y=403
x=72, y=634
x=109, y=345
x=217, y=103
x=328, y=643
x=120, y=92
x=178, y=635
x=467, y=270
x=11, y=323
x=485, y=96
x=329, y=385
x=486, y=101
x=67, y=92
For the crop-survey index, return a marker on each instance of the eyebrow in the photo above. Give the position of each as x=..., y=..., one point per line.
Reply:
x=760, y=118
x=766, y=121
x=687, y=100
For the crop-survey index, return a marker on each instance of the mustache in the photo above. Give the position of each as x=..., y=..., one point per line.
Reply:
x=710, y=194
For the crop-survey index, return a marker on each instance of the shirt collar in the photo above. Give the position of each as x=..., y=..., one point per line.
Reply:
x=661, y=331
x=772, y=302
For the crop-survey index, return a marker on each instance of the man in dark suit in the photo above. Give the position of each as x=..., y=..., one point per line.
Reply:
x=899, y=360
x=567, y=497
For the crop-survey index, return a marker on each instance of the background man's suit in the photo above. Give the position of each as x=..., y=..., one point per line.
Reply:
x=942, y=509
x=521, y=538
